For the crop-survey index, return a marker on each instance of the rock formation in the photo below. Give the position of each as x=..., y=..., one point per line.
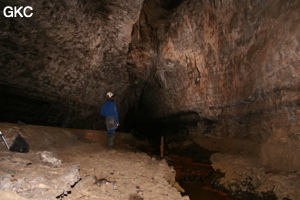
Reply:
x=72, y=164
x=236, y=64
x=57, y=65
x=230, y=67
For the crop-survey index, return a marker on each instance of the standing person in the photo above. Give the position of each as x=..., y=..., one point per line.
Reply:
x=110, y=111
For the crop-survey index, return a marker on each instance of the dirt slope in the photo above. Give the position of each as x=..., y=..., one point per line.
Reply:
x=75, y=164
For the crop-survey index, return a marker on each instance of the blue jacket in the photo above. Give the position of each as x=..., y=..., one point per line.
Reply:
x=109, y=108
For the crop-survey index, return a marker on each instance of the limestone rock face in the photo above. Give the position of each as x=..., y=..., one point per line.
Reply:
x=225, y=54
x=57, y=65
x=233, y=66
x=243, y=174
x=235, y=63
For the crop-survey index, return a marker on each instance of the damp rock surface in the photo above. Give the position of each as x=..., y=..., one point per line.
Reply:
x=243, y=173
x=75, y=164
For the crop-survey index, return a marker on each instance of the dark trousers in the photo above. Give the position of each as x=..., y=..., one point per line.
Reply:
x=110, y=140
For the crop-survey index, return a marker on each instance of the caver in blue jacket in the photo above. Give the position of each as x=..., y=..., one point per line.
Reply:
x=110, y=111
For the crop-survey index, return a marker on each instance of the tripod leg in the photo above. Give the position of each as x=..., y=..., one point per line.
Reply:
x=4, y=140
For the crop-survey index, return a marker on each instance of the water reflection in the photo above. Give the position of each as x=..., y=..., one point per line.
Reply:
x=195, y=178
x=197, y=191
x=193, y=175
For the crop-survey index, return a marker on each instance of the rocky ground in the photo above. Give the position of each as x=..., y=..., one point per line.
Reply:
x=244, y=176
x=75, y=164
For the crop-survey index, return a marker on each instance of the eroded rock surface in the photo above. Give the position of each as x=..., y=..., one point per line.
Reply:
x=57, y=66
x=33, y=178
x=243, y=173
x=75, y=164
x=231, y=66
x=236, y=65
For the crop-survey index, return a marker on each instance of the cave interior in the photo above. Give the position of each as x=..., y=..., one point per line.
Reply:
x=219, y=69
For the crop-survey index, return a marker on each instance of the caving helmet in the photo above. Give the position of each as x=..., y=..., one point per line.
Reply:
x=110, y=95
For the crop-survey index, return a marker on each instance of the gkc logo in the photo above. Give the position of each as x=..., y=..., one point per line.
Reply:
x=15, y=11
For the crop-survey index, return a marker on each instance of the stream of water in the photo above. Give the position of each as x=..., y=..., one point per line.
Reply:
x=195, y=178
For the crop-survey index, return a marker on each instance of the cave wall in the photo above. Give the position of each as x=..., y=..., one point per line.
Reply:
x=57, y=65
x=223, y=54
x=235, y=63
